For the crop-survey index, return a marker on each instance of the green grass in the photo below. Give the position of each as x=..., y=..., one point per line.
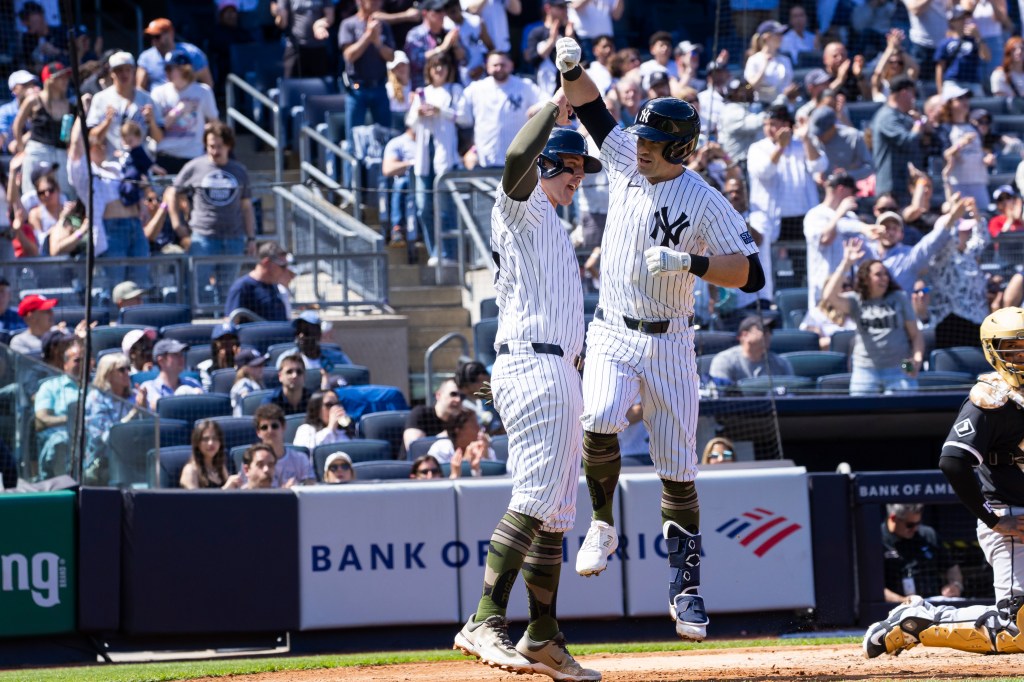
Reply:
x=159, y=672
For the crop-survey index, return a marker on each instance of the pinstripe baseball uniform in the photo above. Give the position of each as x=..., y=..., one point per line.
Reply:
x=539, y=395
x=497, y=112
x=625, y=365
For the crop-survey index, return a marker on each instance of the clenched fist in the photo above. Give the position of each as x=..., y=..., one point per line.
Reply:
x=663, y=260
x=567, y=54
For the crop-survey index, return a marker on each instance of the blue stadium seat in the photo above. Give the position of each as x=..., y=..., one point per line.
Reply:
x=387, y=426
x=484, y=334
x=72, y=315
x=169, y=462
x=419, y=447
x=66, y=296
x=156, y=315
x=292, y=422
x=253, y=400
x=131, y=441
x=834, y=383
x=110, y=337
x=196, y=354
x=706, y=342
x=237, y=431
x=193, y=408
x=704, y=364
x=816, y=363
x=487, y=468
x=221, y=380
x=262, y=335
x=500, y=446
x=790, y=299
x=190, y=334
x=842, y=341
x=781, y=385
x=969, y=359
x=790, y=340
x=358, y=449
x=354, y=375
x=488, y=308
x=946, y=380
x=385, y=470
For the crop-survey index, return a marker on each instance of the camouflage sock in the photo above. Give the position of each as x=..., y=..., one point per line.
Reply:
x=601, y=464
x=540, y=572
x=509, y=544
x=679, y=504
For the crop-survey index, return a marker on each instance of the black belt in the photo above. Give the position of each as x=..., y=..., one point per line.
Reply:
x=544, y=349
x=644, y=326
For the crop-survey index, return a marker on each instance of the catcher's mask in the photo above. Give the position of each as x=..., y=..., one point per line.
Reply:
x=997, y=332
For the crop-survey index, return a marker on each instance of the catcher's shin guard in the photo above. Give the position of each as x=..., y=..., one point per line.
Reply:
x=965, y=637
x=1006, y=641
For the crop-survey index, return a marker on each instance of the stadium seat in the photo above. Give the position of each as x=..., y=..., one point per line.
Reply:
x=354, y=375
x=387, y=426
x=861, y=112
x=834, y=383
x=237, y=431
x=131, y=441
x=169, y=461
x=381, y=470
x=842, y=341
x=262, y=335
x=292, y=422
x=500, y=446
x=790, y=340
x=66, y=296
x=487, y=468
x=942, y=379
x=704, y=364
x=816, y=363
x=253, y=400
x=191, y=334
x=970, y=359
x=790, y=299
x=781, y=385
x=156, y=315
x=221, y=380
x=72, y=315
x=488, y=308
x=707, y=342
x=359, y=450
x=316, y=107
x=589, y=303
x=484, y=334
x=419, y=447
x=993, y=105
x=193, y=408
x=110, y=337
x=196, y=354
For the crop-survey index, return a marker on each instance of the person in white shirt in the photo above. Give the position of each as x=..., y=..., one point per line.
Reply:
x=399, y=88
x=686, y=63
x=826, y=227
x=495, y=15
x=464, y=440
x=399, y=157
x=592, y=19
x=127, y=102
x=476, y=41
x=186, y=106
x=798, y=39
x=497, y=107
x=711, y=99
x=326, y=422
x=660, y=46
x=767, y=70
x=603, y=49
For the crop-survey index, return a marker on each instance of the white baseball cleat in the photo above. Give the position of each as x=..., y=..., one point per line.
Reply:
x=600, y=543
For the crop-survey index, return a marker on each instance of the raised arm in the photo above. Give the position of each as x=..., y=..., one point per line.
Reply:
x=583, y=95
x=519, y=177
x=853, y=251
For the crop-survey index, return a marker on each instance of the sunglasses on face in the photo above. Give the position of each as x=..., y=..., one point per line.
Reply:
x=340, y=466
x=122, y=369
x=270, y=426
x=46, y=191
x=428, y=472
x=911, y=525
x=330, y=405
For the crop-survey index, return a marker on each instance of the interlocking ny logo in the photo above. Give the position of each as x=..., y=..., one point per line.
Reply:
x=760, y=529
x=645, y=115
x=516, y=101
x=671, y=231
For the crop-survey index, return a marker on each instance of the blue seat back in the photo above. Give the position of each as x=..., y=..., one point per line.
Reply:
x=194, y=408
x=387, y=426
x=816, y=363
x=262, y=335
x=156, y=315
x=131, y=441
x=188, y=333
x=381, y=470
x=170, y=461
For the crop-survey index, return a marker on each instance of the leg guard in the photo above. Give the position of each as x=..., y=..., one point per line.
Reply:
x=685, y=606
x=1009, y=640
x=963, y=637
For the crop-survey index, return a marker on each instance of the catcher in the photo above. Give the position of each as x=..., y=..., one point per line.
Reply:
x=988, y=435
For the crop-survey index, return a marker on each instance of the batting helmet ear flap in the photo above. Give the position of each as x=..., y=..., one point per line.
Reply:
x=677, y=152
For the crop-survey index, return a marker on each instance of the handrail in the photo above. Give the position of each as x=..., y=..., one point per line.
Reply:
x=331, y=216
x=307, y=135
x=274, y=141
x=474, y=176
x=428, y=360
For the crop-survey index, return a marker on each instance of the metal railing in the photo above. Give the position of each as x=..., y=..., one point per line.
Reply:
x=473, y=212
x=273, y=140
x=428, y=361
x=309, y=170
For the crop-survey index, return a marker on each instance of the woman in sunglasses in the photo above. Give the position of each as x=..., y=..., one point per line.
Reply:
x=719, y=450
x=326, y=422
x=110, y=402
x=893, y=62
x=425, y=468
x=338, y=469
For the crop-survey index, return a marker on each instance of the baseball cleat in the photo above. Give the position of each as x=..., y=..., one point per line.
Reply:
x=886, y=636
x=600, y=543
x=488, y=640
x=553, y=659
x=691, y=619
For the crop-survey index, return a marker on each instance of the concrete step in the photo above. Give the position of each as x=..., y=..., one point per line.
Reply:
x=453, y=317
x=404, y=275
x=418, y=296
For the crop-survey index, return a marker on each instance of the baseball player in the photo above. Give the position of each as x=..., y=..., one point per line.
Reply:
x=665, y=227
x=536, y=389
x=986, y=436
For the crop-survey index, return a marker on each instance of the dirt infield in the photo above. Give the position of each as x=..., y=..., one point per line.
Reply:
x=762, y=663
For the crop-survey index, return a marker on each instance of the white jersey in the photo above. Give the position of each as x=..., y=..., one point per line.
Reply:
x=685, y=214
x=539, y=291
x=823, y=259
x=495, y=17
x=497, y=111
x=592, y=19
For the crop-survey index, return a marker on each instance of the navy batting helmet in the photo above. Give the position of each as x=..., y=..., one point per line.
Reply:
x=667, y=119
x=565, y=141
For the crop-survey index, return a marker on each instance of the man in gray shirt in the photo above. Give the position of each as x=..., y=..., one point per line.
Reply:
x=751, y=358
x=842, y=145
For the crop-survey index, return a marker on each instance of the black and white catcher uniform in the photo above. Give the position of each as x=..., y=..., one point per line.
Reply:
x=535, y=383
x=640, y=346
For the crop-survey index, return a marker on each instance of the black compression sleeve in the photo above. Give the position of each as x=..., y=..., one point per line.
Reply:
x=596, y=117
x=960, y=475
x=519, y=177
x=755, y=275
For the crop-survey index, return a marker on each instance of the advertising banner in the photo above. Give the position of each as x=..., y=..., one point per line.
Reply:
x=373, y=554
x=756, y=552
x=37, y=563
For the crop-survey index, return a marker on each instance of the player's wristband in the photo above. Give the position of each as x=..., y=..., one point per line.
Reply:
x=573, y=73
x=699, y=265
x=990, y=520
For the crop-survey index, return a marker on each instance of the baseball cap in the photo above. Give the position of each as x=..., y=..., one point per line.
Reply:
x=134, y=336
x=177, y=57
x=20, y=77
x=816, y=77
x=654, y=79
x=33, y=303
x=80, y=30
x=841, y=179
x=890, y=215
x=952, y=90
x=1004, y=192
x=901, y=82
x=224, y=4
x=334, y=457
x=53, y=337
x=53, y=70
x=126, y=290
x=121, y=59
x=168, y=346
x=309, y=317
x=431, y=5
x=715, y=65
x=250, y=357
x=158, y=27
x=223, y=330
x=822, y=120
x=752, y=321
x=979, y=114
x=42, y=168
x=291, y=355
x=770, y=27
x=686, y=47
x=399, y=57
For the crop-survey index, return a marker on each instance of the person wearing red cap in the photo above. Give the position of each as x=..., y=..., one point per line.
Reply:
x=150, y=72
x=37, y=312
x=44, y=112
